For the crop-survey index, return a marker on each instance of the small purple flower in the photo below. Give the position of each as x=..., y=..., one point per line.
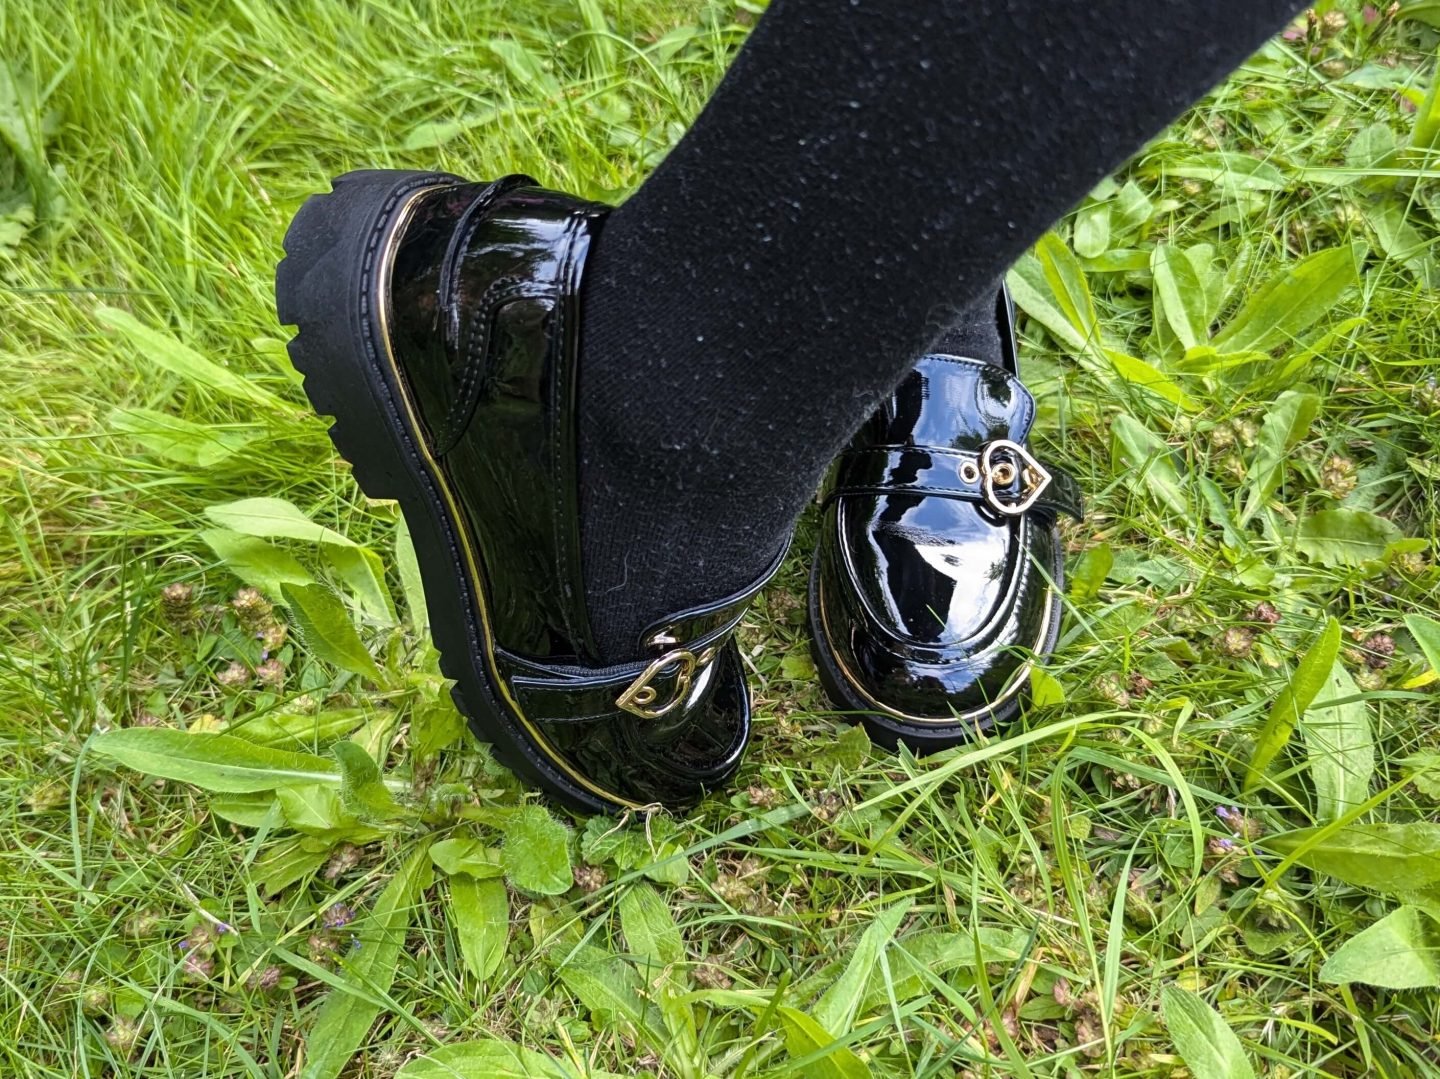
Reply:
x=1371, y=14
x=185, y=945
x=223, y=928
x=1226, y=844
x=1231, y=815
x=337, y=917
x=354, y=944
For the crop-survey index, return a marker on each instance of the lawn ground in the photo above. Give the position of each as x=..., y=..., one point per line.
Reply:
x=1210, y=844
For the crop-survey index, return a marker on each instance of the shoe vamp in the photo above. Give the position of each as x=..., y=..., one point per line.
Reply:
x=931, y=571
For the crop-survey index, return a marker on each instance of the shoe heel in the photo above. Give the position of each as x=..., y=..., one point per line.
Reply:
x=324, y=287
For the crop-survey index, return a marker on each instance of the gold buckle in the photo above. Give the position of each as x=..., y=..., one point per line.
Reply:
x=640, y=695
x=1022, y=466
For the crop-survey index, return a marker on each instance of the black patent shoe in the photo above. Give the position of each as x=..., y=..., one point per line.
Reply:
x=439, y=324
x=937, y=577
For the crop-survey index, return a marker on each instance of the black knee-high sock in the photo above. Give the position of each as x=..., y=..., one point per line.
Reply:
x=865, y=172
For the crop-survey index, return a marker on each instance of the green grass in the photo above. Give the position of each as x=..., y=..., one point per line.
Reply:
x=1035, y=905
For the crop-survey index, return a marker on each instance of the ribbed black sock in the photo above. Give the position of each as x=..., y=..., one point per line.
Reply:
x=865, y=172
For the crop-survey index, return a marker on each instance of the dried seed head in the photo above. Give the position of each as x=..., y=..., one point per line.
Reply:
x=589, y=878
x=234, y=676
x=272, y=637
x=1222, y=438
x=1369, y=679
x=1333, y=69
x=709, y=976
x=123, y=1037
x=337, y=916
x=178, y=602
x=94, y=1001
x=345, y=858
x=764, y=797
x=1110, y=687
x=1139, y=685
x=1426, y=395
x=145, y=924
x=1264, y=614
x=1338, y=477
x=196, y=966
x=1235, y=642
x=271, y=673
x=1379, y=648
x=265, y=980
x=251, y=609
x=1332, y=23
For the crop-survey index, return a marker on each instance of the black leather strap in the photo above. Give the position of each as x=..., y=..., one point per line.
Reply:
x=947, y=473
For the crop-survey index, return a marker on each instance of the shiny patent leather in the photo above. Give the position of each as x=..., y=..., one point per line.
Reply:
x=929, y=597
x=484, y=299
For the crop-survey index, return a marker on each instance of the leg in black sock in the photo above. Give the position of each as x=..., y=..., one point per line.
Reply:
x=864, y=174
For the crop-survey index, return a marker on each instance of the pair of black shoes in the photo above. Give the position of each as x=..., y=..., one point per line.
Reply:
x=438, y=323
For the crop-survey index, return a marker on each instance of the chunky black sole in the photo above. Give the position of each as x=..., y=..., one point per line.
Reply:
x=332, y=286
x=889, y=731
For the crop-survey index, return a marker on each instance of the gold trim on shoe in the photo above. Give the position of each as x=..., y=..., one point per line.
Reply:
x=382, y=277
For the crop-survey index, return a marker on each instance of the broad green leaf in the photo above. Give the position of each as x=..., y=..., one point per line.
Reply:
x=1292, y=301
x=1069, y=288
x=480, y=913
x=285, y=862
x=411, y=584
x=612, y=989
x=1345, y=537
x=313, y=808
x=1045, y=689
x=1426, y=129
x=344, y=1019
x=835, y=1010
x=434, y=725
x=325, y=627
x=1426, y=632
x=285, y=729
x=1091, y=569
x=1144, y=454
x=166, y=352
x=428, y=135
x=362, y=789
x=1181, y=294
x=653, y=849
x=468, y=856
x=273, y=518
x=527, y=69
x=257, y=563
x=174, y=439
x=1145, y=376
x=247, y=810
x=1208, y=1047
x=537, y=852
x=1235, y=173
x=1340, y=746
x=651, y=934
x=361, y=569
x=1384, y=857
x=1400, y=951
x=1287, y=422
x=491, y=1059
x=847, y=750
x=214, y=762
x=1309, y=678
x=804, y=1036
x=1032, y=294
x=1092, y=230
